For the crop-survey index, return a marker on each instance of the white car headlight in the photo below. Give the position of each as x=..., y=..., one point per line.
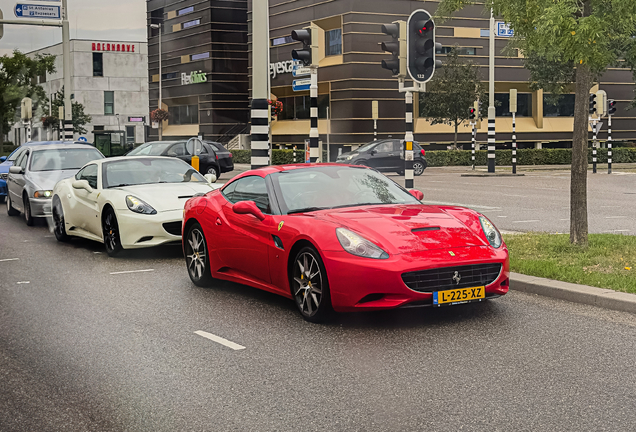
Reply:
x=357, y=245
x=493, y=236
x=139, y=206
x=351, y=156
x=43, y=194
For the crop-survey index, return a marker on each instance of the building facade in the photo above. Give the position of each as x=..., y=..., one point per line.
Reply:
x=110, y=79
x=204, y=76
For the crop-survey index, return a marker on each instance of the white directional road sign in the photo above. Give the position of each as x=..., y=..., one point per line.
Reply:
x=301, y=71
x=504, y=30
x=37, y=11
x=301, y=84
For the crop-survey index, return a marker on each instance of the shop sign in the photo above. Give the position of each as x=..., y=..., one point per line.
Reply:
x=283, y=67
x=194, y=78
x=113, y=47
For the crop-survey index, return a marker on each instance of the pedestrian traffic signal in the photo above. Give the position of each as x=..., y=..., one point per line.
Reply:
x=611, y=106
x=397, y=48
x=421, y=46
x=308, y=55
x=472, y=113
x=592, y=104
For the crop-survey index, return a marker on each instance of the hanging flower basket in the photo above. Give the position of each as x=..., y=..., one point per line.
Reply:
x=159, y=115
x=277, y=107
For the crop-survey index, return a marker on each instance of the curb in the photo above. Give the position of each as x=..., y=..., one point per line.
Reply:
x=493, y=175
x=604, y=298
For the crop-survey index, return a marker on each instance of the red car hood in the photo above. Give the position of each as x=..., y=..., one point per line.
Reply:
x=406, y=228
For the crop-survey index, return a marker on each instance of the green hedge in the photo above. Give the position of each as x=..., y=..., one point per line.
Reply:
x=524, y=157
x=463, y=157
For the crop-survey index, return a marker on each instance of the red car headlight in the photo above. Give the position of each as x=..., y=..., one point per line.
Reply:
x=358, y=245
x=493, y=236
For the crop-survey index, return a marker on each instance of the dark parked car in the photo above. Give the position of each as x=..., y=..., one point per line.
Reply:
x=226, y=163
x=208, y=159
x=385, y=155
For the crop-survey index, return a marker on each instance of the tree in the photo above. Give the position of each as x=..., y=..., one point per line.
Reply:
x=569, y=41
x=18, y=79
x=80, y=119
x=452, y=92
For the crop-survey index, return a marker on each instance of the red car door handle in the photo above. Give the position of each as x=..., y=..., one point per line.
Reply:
x=218, y=221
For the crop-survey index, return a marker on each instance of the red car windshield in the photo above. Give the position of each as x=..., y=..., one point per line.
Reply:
x=327, y=187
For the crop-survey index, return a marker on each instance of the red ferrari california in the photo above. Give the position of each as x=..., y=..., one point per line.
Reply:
x=343, y=238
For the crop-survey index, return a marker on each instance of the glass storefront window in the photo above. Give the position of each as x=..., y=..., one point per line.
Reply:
x=333, y=42
x=524, y=104
x=561, y=106
x=298, y=107
x=183, y=114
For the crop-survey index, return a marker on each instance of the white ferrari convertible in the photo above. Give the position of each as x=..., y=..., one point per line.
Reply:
x=127, y=202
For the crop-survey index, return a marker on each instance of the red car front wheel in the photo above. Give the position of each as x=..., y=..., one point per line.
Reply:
x=310, y=286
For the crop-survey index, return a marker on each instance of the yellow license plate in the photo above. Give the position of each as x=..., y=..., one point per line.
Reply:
x=458, y=296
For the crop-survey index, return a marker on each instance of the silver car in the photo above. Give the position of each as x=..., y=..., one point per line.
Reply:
x=36, y=171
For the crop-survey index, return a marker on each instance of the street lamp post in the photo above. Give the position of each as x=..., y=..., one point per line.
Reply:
x=158, y=27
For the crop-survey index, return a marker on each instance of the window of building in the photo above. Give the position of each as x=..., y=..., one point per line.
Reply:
x=98, y=64
x=333, y=42
x=558, y=106
x=130, y=134
x=192, y=23
x=462, y=50
x=298, y=107
x=183, y=114
x=170, y=75
x=484, y=32
x=185, y=11
x=202, y=56
x=98, y=128
x=282, y=41
x=524, y=104
x=109, y=103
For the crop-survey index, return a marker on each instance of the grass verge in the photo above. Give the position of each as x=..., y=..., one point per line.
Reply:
x=609, y=262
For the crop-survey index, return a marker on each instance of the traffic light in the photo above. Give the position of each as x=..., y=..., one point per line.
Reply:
x=611, y=106
x=592, y=104
x=422, y=46
x=397, y=47
x=308, y=55
x=472, y=113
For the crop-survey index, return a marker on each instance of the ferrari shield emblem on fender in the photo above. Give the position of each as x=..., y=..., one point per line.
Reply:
x=280, y=225
x=451, y=253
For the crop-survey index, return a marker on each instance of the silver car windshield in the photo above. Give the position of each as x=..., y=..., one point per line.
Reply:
x=333, y=187
x=63, y=159
x=141, y=171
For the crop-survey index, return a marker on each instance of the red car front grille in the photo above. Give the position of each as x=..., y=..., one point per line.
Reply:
x=446, y=278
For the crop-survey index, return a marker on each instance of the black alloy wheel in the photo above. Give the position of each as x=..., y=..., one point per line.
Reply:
x=10, y=210
x=28, y=218
x=111, y=233
x=59, y=228
x=196, y=256
x=418, y=168
x=310, y=287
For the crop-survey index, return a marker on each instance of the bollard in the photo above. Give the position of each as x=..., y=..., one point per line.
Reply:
x=294, y=154
x=195, y=162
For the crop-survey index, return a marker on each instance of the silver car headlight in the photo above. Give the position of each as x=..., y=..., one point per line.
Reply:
x=357, y=245
x=139, y=206
x=351, y=156
x=43, y=194
x=492, y=234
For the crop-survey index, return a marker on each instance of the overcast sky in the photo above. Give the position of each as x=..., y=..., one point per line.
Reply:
x=120, y=20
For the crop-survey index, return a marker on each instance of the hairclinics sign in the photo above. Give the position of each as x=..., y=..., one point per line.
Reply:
x=113, y=47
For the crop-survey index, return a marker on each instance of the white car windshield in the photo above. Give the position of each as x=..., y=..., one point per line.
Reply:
x=63, y=159
x=153, y=149
x=141, y=171
x=328, y=187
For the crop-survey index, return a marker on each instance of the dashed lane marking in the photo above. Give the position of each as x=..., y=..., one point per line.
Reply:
x=220, y=340
x=615, y=217
x=9, y=259
x=527, y=221
x=133, y=271
x=24, y=282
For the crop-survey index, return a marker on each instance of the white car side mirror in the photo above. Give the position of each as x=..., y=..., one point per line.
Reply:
x=211, y=178
x=82, y=184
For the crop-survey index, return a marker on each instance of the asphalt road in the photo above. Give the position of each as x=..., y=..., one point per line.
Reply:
x=85, y=347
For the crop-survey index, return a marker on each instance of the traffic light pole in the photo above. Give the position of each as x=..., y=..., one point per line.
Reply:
x=514, y=144
x=609, y=144
x=408, y=142
x=594, y=147
x=314, y=150
x=260, y=84
x=474, y=125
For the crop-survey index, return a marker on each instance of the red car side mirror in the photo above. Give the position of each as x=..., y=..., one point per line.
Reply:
x=249, y=207
x=417, y=194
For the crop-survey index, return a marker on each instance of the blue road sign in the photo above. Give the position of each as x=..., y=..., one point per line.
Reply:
x=301, y=84
x=504, y=30
x=82, y=139
x=37, y=11
x=300, y=71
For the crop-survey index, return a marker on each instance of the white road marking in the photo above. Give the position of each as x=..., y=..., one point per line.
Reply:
x=527, y=221
x=220, y=340
x=565, y=219
x=24, y=282
x=9, y=259
x=501, y=216
x=96, y=252
x=621, y=230
x=514, y=196
x=133, y=271
x=463, y=205
x=615, y=217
